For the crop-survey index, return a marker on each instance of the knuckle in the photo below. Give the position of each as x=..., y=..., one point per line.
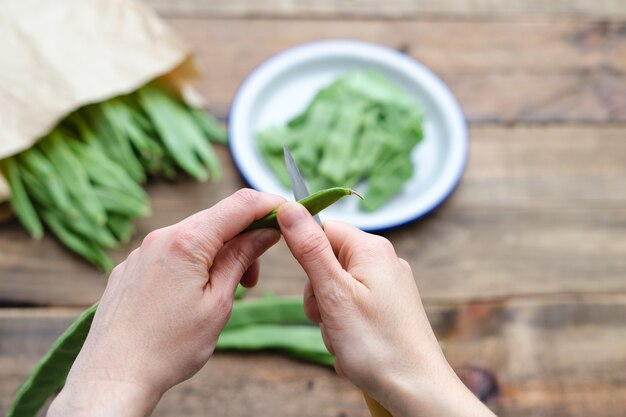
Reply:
x=377, y=246
x=383, y=243
x=241, y=259
x=182, y=242
x=405, y=265
x=134, y=254
x=117, y=272
x=311, y=247
x=245, y=196
x=152, y=237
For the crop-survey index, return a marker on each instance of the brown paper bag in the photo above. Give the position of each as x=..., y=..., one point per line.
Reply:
x=61, y=55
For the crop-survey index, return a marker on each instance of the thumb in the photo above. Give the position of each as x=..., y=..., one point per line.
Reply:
x=310, y=246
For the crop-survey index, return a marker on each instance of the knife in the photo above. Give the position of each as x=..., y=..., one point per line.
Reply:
x=298, y=186
x=300, y=190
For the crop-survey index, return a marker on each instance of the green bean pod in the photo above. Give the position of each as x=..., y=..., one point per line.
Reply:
x=267, y=310
x=314, y=203
x=20, y=202
x=50, y=373
x=121, y=226
x=303, y=341
x=77, y=243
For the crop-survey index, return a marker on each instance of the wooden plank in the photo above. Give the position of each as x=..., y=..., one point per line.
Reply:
x=540, y=210
x=562, y=355
x=395, y=9
x=501, y=72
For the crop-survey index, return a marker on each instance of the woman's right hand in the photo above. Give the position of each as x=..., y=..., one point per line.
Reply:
x=372, y=319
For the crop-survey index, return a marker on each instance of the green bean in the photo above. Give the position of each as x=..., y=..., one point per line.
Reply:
x=314, y=203
x=168, y=167
x=102, y=167
x=20, y=202
x=193, y=133
x=272, y=139
x=341, y=143
x=104, y=172
x=97, y=235
x=117, y=202
x=277, y=164
x=348, y=130
x=73, y=174
x=35, y=188
x=298, y=340
x=121, y=226
x=387, y=181
x=371, y=143
x=159, y=109
x=80, y=225
x=267, y=310
x=115, y=142
x=209, y=125
x=41, y=167
x=191, y=129
x=77, y=243
x=135, y=110
x=50, y=373
x=150, y=152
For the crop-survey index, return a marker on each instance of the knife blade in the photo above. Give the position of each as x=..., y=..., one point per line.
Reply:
x=298, y=186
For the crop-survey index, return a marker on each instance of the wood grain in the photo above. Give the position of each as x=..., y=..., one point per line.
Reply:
x=394, y=9
x=501, y=72
x=559, y=355
x=539, y=211
x=522, y=270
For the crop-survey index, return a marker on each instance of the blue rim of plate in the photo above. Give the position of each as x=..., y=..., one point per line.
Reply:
x=452, y=186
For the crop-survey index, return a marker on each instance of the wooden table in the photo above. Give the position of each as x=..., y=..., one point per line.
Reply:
x=522, y=271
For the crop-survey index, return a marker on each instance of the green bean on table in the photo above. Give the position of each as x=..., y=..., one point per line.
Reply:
x=266, y=323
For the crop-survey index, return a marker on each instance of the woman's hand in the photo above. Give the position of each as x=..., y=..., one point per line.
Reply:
x=372, y=318
x=164, y=308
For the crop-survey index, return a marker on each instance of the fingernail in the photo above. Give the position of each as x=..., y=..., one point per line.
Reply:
x=290, y=214
x=267, y=237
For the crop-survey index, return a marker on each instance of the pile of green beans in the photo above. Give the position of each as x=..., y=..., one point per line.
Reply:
x=83, y=180
x=265, y=323
x=360, y=128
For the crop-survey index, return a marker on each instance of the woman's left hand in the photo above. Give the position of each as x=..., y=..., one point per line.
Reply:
x=164, y=308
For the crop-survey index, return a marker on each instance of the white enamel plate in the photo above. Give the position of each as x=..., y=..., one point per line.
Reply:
x=281, y=88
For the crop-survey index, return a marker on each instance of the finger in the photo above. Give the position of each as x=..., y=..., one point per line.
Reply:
x=353, y=245
x=236, y=257
x=365, y=256
x=311, y=309
x=308, y=243
x=206, y=231
x=250, y=278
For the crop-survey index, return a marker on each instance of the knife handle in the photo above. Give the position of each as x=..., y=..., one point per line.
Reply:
x=376, y=410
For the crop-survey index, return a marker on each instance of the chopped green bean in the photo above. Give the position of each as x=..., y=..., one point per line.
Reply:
x=348, y=132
